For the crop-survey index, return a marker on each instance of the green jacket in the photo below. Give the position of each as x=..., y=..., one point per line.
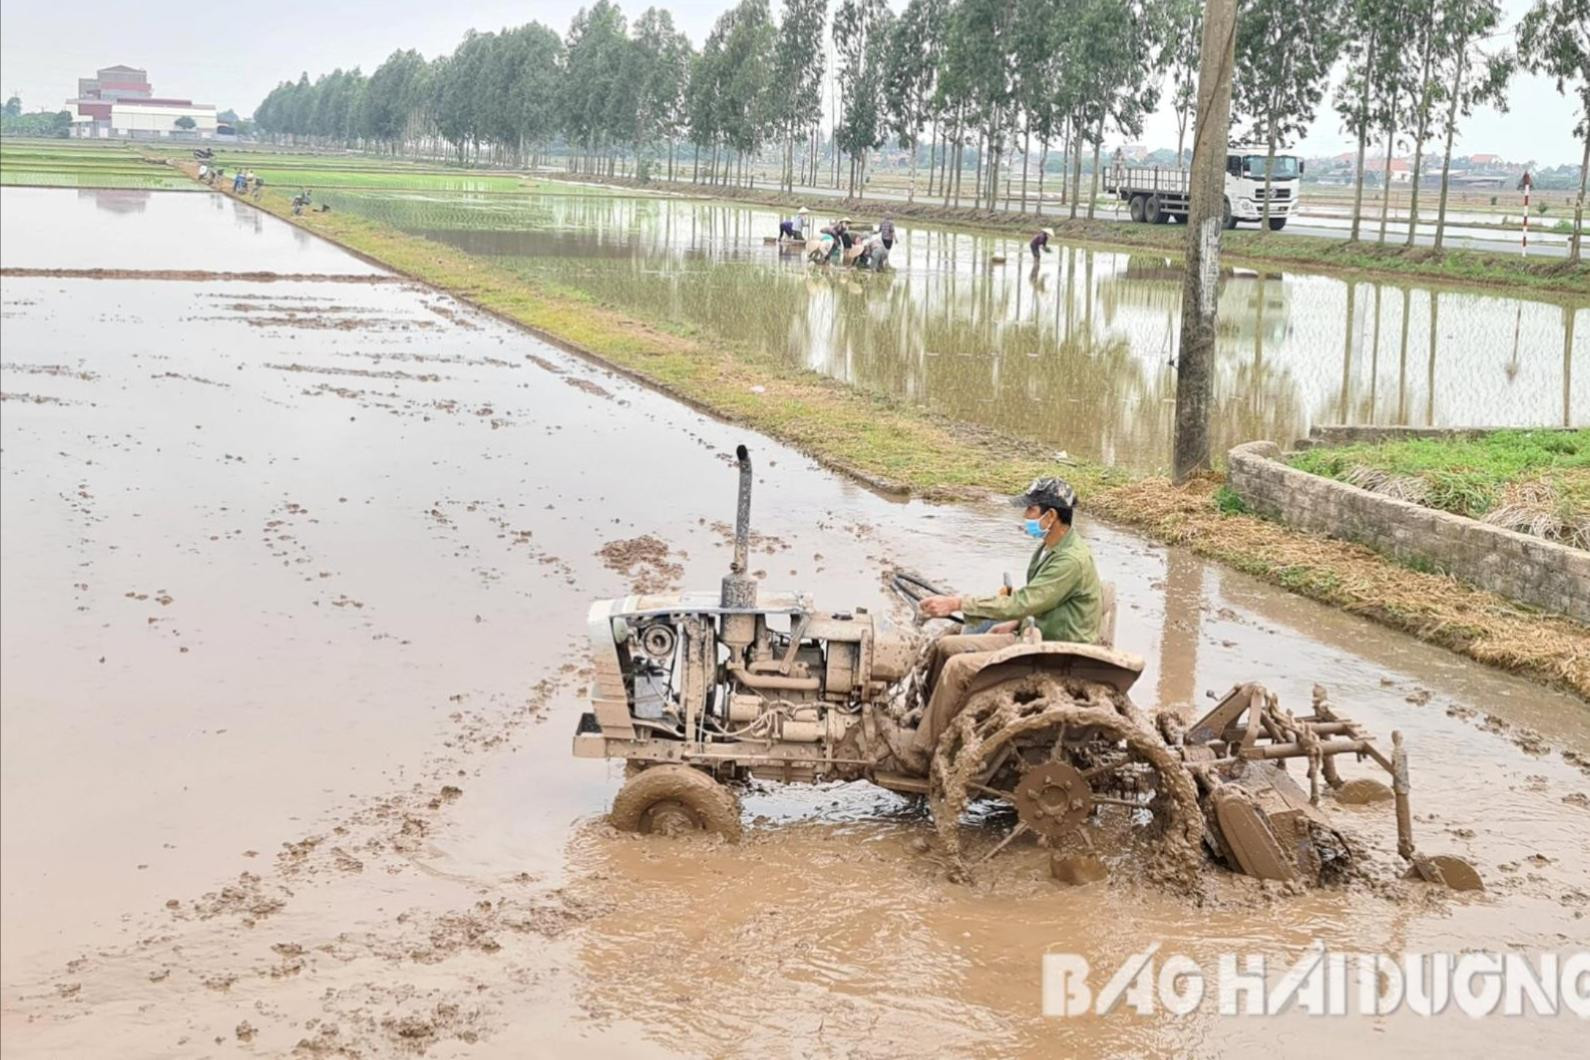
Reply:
x=1062, y=594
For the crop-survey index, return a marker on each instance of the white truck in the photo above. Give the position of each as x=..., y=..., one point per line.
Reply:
x=1158, y=194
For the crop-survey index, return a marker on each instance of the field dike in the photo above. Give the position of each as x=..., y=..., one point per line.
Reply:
x=898, y=448
x=1391, y=260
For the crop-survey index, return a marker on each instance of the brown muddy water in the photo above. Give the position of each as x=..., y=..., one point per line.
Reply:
x=1077, y=352
x=295, y=581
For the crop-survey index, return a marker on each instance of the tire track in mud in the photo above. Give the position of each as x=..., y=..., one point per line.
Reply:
x=302, y=925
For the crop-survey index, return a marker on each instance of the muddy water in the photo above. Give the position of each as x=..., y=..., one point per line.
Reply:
x=1077, y=353
x=293, y=619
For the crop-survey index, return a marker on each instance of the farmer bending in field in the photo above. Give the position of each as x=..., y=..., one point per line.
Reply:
x=1040, y=242
x=793, y=227
x=1063, y=597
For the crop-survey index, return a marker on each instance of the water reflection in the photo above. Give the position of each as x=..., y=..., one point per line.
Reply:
x=117, y=200
x=1076, y=350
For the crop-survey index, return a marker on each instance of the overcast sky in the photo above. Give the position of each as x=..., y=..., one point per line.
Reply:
x=198, y=52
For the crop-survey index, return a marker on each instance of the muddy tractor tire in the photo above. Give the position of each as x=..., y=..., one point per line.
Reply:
x=674, y=800
x=1059, y=750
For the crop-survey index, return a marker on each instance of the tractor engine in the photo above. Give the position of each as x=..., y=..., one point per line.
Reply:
x=770, y=686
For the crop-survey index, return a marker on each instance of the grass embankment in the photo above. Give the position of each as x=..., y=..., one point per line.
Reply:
x=1535, y=482
x=1315, y=253
x=902, y=448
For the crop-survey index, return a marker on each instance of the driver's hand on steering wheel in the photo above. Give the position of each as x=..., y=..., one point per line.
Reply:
x=940, y=606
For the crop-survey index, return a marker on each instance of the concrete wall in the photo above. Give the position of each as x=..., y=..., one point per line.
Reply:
x=1529, y=569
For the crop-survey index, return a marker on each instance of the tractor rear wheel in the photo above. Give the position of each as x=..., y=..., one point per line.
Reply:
x=1060, y=751
x=674, y=800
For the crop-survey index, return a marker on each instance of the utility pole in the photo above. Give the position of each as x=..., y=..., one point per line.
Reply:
x=1205, y=218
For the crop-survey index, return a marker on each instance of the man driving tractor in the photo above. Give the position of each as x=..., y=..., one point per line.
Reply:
x=1063, y=597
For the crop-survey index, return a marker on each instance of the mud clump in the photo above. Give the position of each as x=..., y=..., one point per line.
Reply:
x=588, y=387
x=32, y=399
x=644, y=561
x=60, y=371
x=247, y=899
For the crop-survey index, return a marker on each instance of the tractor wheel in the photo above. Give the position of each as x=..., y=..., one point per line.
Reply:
x=1134, y=208
x=1154, y=211
x=1227, y=221
x=1060, y=751
x=675, y=799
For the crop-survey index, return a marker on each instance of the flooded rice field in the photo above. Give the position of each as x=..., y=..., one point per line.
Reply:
x=296, y=577
x=1077, y=353
x=122, y=228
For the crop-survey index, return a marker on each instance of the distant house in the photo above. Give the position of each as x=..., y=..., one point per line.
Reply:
x=119, y=101
x=1401, y=172
x=1481, y=161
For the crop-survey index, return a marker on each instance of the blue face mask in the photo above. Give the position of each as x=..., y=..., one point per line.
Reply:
x=1034, y=528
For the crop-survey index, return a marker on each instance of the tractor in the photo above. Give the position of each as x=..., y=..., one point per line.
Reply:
x=702, y=692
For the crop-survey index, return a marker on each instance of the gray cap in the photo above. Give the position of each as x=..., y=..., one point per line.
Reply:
x=1046, y=492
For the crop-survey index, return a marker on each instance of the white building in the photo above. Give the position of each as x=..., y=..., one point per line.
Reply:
x=149, y=118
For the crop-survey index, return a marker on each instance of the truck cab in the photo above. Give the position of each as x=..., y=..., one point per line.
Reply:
x=1245, y=186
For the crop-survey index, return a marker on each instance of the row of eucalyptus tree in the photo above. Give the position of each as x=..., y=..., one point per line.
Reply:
x=980, y=93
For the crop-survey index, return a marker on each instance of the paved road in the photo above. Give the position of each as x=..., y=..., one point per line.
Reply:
x=1541, y=244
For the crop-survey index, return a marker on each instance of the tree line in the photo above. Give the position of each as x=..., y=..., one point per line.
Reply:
x=984, y=96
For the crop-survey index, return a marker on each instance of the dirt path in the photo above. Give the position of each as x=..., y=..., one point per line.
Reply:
x=292, y=660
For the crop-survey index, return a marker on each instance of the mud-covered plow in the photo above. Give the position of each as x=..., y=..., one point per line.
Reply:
x=700, y=691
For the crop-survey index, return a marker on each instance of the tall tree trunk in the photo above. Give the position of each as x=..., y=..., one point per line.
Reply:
x=960, y=163
x=1181, y=139
x=1098, y=142
x=1269, y=169
x=1076, y=170
x=1200, y=295
x=1065, y=161
x=1371, y=58
x=910, y=196
x=1451, y=132
x=1358, y=180
x=1422, y=132
x=1385, y=178
x=1576, y=241
x=982, y=159
x=1026, y=162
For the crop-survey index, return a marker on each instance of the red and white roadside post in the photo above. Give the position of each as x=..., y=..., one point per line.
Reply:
x=1528, y=182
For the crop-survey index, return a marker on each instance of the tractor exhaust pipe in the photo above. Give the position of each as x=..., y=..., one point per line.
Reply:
x=739, y=588
x=742, y=514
